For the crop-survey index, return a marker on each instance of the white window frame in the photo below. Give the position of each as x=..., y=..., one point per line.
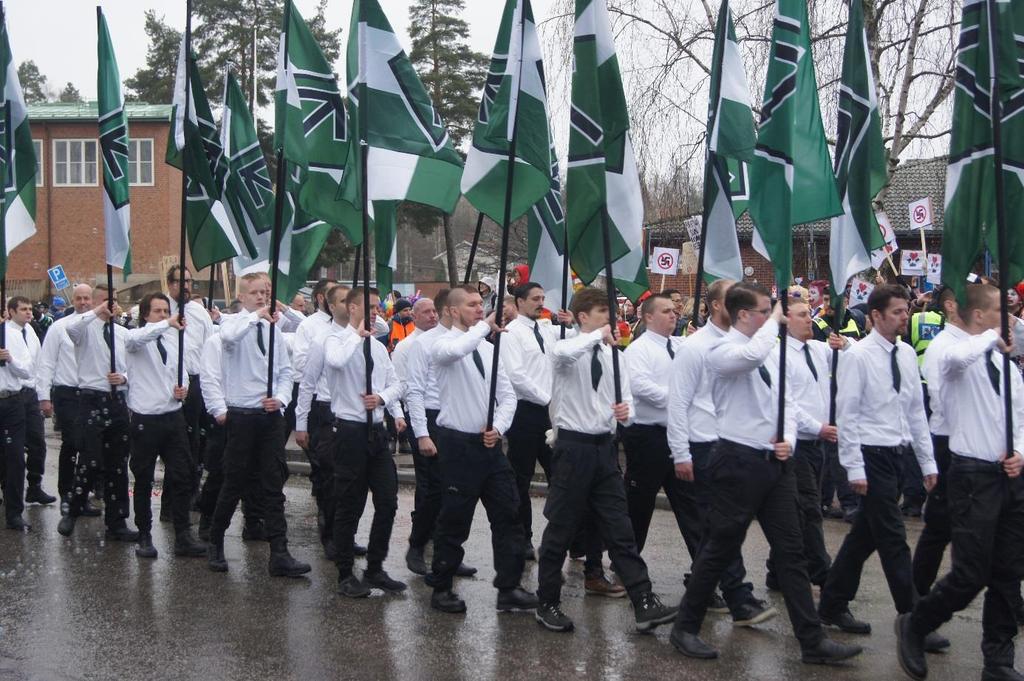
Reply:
x=69, y=141
x=135, y=143
x=38, y=147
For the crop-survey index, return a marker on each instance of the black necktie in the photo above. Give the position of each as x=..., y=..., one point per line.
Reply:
x=668, y=346
x=479, y=362
x=259, y=338
x=895, y=366
x=24, y=335
x=106, y=333
x=161, y=349
x=765, y=376
x=595, y=367
x=369, y=358
x=536, y=334
x=810, y=362
x=993, y=371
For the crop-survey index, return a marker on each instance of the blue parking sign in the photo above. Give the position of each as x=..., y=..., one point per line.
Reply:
x=57, y=276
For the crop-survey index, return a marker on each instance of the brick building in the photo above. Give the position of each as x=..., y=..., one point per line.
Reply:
x=69, y=199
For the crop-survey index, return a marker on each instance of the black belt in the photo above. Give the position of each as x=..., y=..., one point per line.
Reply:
x=137, y=416
x=746, y=450
x=27, y=391
x=898, y=450
x=459, y=435
x=432, y=412
x=584, y=438
x=648, y=426
x=9, y=394
x=247, y=411
x=969, y=464
x=94, y=394
x=64, y=389
x=347, y=423
x=527, y=404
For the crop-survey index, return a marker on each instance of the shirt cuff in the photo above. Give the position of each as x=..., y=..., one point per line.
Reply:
x=854, y=474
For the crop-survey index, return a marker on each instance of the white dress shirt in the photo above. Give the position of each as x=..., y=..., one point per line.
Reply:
x=92, y=354
x=575, y=405
x=315, y=326
x=974, y=409
x=198, y=327
x=17, y=369
x=691, y=407
x=869, y=411
x=463, y=391
x=211, y=377
x=746, y=407
x=245, y=367
x=650, y=368
x=153, y=377
x=346, y=367
x=400, y=355
x=421, y=388
x=314, y=378
x=810, y=394
x=933, y=355
x=25, y=335
x=528, y=367
x=56, y=363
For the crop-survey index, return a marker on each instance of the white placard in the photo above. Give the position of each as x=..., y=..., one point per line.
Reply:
x=935, y=268
x=921, y=213
x=860, y=289
x=912, y=263
x=664, y=260
x=878, y=256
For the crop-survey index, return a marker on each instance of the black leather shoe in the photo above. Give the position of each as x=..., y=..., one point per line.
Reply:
x=447, y=601
x=187, y=545
x=829, y=652
x=415, y=562
x=66, y=525
x=254, y=532
x=516, y=600
x=145, y=549
x=215, y=557
x=551, y=617
x=717, y=604
x=1001, y=674
x=205, y=523
x=910, y=649
x=35, y=495
x=18, y=524
x=691, y=645
x=122, y=534
x=282, y=564
x=845, y=621
x=935, y=643
x=749, y=614
x=90, y=511
x=351, y=587
x=771, y=582
x=650, y=612
x=382, y=580
x=358, y=549
x=465, y=570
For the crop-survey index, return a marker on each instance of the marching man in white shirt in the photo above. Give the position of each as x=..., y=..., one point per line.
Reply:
x=158, y=424
x=103, y=419
x=986, y=495
x=362, y=458
x=752, y=477
x=15, y=366
x=585, y=468
x=255, y=424
x=473, y=466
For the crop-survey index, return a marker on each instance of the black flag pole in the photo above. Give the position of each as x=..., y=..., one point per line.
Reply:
x=472, y=247
x=364, y=190
x=184, y=201
x=355, y=267
x=780, y=428
x=1004, y=254
x=3, y=212
x=609, y=280
x=275, y=256
x=110, y=322
x=213, y=281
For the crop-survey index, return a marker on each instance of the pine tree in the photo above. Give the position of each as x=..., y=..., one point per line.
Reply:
x=69, y=94
x=33, y=83
x=154, y=82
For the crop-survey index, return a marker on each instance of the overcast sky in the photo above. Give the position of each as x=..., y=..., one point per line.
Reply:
x=60, y=35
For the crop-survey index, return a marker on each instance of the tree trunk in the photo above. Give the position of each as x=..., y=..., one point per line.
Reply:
x=449, y=247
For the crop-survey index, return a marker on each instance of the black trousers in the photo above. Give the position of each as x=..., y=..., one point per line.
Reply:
x=255, y=441
x=427, y=502
x=879, y=526
x=527, y=446
x=834, y=482
x=937, y=534
x=808, y=461
x=362, y=464
x=65, y=408
x=470, y=473
x=751, y=483
x=12, y=421
x=321, y=430
x=586, y=480
x=35, y=439
x=987, y=519
x=735, y=590
x=102, y=446
x=213, y=455
x=649, y=468
x=289, y=412
x=164, y=436
x=913, y=481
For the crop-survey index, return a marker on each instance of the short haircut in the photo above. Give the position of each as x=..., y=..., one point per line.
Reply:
x=320, y=289
x=101, y=287
x=458, y=293
x=172, y=274
x=883, y=294
x=146, y=304
x=335, y=291
x=585, y=300
x=510, y=299
x=977, y=297
x=523, y=292
x=648, y=305
x=16, y=301
x=441, y=299
x=669, y=292
x=253, y=276
x=356, y=295
x=743, y=296
x=718, y=288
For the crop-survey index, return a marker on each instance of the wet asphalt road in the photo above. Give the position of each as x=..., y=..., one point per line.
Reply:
x=82, y=608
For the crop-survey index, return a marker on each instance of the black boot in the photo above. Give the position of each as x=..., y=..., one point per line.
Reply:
x=829, y=652
x=282, y=564
x=187, y=545
x=414, y=560
x=145, y=549
x=36, y=495
x=447, y=601
x=122, y=533
x=910, y=648
x=215, y=556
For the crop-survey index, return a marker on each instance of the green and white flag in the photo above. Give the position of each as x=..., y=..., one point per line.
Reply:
x=411, y=157
x=244, y=181
x=17, y=157
x=986, y=29
x=193, y=146
x=792, y=155
x=731, y=142
x=114, y=149
x=385, y=243
x=545, y=237
x=603, y=176
x=513, y=103
x=860, y=161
